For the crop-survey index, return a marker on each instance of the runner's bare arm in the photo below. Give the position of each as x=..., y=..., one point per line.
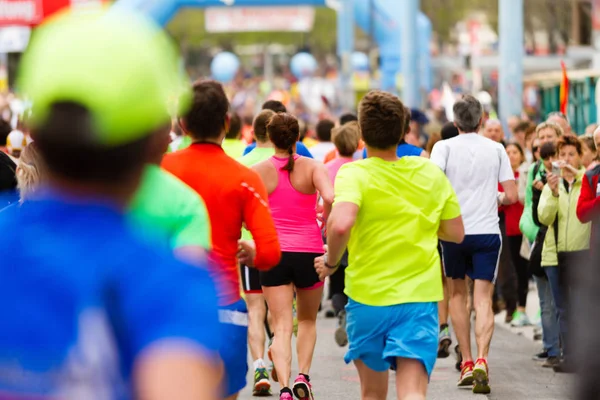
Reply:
x=323, y=185
x=511, y=193
x=177, y=374
x=258, y=220
x=342, y=219
x=452, y=230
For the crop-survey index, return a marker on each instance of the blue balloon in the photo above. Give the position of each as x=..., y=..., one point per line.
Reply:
x=303, y=65
x=224, y=67
x=359, y=61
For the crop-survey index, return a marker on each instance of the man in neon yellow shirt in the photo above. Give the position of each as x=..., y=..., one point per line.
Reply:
x=390, y=213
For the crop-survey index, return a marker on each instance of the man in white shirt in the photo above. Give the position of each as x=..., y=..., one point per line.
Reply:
x=320, y=150
x=474, y=165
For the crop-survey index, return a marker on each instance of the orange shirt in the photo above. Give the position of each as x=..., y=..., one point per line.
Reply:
x=234, y=195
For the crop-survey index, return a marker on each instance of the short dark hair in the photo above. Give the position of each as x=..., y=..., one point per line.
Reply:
x=68, y=146
x=259, y=126
x=323, y=129
x=348, y=117
x=467, y=114
x=274, y=105
x=206, y=118
x=569, y=140
x=449, y=130
x=547, y=150
x=5, y=130
x=381, y=117
x=283, y=132
x=235, y=127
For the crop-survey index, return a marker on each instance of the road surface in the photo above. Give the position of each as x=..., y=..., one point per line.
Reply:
x=513, y=375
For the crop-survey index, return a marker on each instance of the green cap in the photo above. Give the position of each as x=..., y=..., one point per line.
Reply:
x=121, y=67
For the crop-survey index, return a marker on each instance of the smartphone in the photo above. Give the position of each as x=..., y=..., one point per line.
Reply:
x=556, y=168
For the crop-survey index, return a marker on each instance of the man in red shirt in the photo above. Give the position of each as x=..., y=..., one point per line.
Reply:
x=235, y=196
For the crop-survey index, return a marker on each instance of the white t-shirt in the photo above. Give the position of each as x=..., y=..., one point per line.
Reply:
x=320, y=150
x=475, y=165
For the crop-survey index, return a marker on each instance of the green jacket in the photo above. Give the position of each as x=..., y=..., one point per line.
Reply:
x=572, y=234
x=526, y=224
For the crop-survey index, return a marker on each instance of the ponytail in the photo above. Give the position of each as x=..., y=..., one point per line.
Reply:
x=289, y=167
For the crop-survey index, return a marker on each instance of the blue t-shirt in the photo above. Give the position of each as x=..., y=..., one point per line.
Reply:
x=301, y=149
x=83, y=298
x=403, y=149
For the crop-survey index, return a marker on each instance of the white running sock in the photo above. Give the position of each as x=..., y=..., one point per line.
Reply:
x=260, y=363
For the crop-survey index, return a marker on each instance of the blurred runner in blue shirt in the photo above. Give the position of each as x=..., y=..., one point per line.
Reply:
x=90, y=312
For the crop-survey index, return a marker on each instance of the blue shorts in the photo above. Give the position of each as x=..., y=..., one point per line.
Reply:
x=378, y=335
x=476, y=257
x=234, y=348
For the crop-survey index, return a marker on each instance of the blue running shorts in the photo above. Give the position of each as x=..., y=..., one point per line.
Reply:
x=234, y=348
x=377, y=335
x=476, y=257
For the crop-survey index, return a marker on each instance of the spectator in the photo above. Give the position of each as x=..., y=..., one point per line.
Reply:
x=567, y=240
x=588, y=206
x=5, y=130
x=493, y=130
x=562, y=120
x=589, y=159
x=519, y=135
x=530, y=137
x=416, y=136
x=320, y=150
x=512, y=216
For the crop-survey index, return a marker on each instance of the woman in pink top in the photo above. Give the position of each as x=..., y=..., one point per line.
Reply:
x=294, y=184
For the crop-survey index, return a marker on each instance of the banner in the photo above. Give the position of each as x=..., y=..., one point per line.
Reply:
x=21, y=12
x=259, y=19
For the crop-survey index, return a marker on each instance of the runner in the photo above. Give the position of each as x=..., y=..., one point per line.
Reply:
x=121, y=319
x=232, y=144
x=257, y=308
x=278, y=107
x=234, y=196
x=383, y=204
x=474, y=165
x=294, y=183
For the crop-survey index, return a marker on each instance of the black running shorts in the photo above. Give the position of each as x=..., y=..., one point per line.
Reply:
x=296, y=268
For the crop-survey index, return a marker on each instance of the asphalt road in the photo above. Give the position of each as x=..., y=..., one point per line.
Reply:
x=513, y=375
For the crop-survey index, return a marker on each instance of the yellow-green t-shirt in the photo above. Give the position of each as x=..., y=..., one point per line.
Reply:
x=393, y=257
x=234, y=148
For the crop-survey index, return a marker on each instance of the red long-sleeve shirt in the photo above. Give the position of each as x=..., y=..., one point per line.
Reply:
x=512, y=213
x=234, y=195
x=588, y=205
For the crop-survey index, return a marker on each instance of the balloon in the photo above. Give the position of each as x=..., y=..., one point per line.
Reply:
x=303, y=65
x=224, y=67
x=359, y=61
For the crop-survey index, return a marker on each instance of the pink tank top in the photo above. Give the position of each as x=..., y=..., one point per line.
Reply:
x=294, y=214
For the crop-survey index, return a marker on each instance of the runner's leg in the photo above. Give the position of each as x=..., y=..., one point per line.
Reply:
x=460, y=317
x=257, y=311
x=411, y=379
x=279, y=299
x=484, y=323
x=307, y=303
x=373, y=384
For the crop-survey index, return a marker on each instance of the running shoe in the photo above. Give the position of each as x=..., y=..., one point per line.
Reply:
x=273, y=370
x=520, y=319
x=481, y=378
x=302, y=388
x=262, y=386
x=541, y=356
x=285, y=395
x=341, y=336
x=445, y=340
x=458, y=356
x=466, y=375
